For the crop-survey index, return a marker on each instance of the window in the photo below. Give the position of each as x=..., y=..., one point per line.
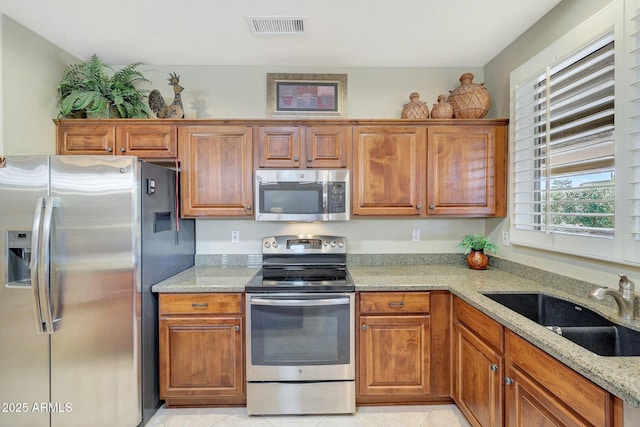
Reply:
x=564, y=145
x=570, y=152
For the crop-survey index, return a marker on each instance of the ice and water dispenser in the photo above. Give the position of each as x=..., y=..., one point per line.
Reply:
x=18, y=258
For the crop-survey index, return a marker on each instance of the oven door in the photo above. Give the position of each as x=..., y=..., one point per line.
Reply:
x=300, y=337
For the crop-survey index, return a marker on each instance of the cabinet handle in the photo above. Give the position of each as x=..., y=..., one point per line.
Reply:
x=418, y=207
x=432, y=206
x=508, y=381
x=237, y=328
x=122, y=149
x=109, y=149
x=494, y=368
x=309, y=159
x=364, y=327
x=200, y=305
x=295, y=159
x=248, y=207
x=395, y=303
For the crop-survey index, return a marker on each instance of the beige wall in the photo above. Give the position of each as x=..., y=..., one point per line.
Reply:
x=567, y=15
x=240, y=91
x=30, y=68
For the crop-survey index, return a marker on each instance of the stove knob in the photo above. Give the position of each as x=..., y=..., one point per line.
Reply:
x=341, y=243
x=325, y=243
x=267, y=245
x=275, y=244
x=333, y=243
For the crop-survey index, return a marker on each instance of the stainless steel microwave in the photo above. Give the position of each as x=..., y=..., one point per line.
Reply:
x=303, y=195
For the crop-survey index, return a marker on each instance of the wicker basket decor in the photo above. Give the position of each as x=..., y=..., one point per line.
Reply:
x=469, y=100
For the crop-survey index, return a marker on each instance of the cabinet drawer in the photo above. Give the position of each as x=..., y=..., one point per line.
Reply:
x=478, y=323
x=193, y=303
x=394, y=302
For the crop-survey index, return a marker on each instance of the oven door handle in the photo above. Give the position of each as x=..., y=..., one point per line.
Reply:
x=299, y=302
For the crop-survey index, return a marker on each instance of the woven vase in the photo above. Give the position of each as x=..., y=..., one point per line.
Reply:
x=470, y=100
x=442, y=110
x=415, y=109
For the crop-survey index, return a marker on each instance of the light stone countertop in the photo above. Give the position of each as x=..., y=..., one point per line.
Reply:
x=619, y=375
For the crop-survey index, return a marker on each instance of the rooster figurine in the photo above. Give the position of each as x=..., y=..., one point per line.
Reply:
x=158, y=106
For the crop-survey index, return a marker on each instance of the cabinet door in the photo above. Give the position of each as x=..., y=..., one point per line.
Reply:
x=388, y=166
x=466, y=170
x=201, y=360
x=478, y=381
x=394, y=356
x=147, y=142
x=216, y=163
x=541, y=391
x=80, y=139
x=278, y=147
x=327, y=147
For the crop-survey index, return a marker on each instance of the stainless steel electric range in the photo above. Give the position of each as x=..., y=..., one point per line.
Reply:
x=300, y=328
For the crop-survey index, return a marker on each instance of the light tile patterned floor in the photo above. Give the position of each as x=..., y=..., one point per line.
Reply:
x=367, y=416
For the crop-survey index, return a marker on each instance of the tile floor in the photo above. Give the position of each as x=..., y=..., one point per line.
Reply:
x=367, y=416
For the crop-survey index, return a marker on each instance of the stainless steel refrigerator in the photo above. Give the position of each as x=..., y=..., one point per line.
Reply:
x=83, y=240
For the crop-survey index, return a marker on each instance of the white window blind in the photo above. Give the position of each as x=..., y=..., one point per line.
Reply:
x=571, y=165
x=564, y=151
x=632, y=33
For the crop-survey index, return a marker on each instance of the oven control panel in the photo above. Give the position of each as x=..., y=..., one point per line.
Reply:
x=304, y=244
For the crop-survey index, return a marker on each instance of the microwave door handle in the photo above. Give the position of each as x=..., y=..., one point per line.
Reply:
x=35, y=263
x=44, y=266
x=299, y=302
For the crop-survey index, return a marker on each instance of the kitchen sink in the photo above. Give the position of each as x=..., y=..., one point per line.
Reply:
x=574, y=322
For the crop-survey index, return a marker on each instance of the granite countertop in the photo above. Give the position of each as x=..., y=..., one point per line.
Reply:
x=619, y=375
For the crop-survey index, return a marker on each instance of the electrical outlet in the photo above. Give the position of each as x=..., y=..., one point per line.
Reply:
x=505, y=238
x=235, y=236
x=416, y=235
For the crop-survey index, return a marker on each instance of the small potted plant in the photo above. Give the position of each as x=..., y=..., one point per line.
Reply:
x=476, y=247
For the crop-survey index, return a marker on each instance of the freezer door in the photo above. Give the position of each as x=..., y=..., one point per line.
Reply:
x=24, y=354
x=95, y=252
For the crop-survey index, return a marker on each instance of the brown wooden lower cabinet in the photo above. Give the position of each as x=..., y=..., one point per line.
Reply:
x=541, y=391
x=412, y=347
x=478, y=365
x=403, y=342
x=201, y=349
x=501, y=379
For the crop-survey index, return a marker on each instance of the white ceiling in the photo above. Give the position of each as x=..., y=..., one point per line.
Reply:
x=406, y=33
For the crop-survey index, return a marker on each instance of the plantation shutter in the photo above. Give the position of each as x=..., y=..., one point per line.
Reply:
x=632, y=33
x=563, y=148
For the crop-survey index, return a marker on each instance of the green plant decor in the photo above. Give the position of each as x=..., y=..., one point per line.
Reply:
x=477, y=242
x=94, y=89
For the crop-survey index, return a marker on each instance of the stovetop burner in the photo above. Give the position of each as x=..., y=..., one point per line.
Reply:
x=302, y=264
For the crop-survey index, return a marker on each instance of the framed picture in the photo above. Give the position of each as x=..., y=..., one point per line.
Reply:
x=306, y=95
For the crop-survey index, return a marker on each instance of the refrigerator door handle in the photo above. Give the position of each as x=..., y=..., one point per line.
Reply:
x=43, y=265
x=35, y=263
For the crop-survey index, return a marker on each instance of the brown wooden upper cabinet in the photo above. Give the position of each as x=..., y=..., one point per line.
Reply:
x=447, y=169
x=466, y=170
x=217, y=172
x=285, y=147
x=148, y=142
x=388, y=170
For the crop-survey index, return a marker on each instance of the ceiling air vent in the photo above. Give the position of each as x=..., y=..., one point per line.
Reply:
x=277, y=24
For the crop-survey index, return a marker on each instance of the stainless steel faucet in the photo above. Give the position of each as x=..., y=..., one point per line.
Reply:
x=625, y=297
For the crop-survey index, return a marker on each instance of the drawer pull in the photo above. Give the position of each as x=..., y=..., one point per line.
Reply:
x=200, y=305
x=494, y=367
x=395, y=303
x=237, y=328
x=508, y=381
x=364, y=327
